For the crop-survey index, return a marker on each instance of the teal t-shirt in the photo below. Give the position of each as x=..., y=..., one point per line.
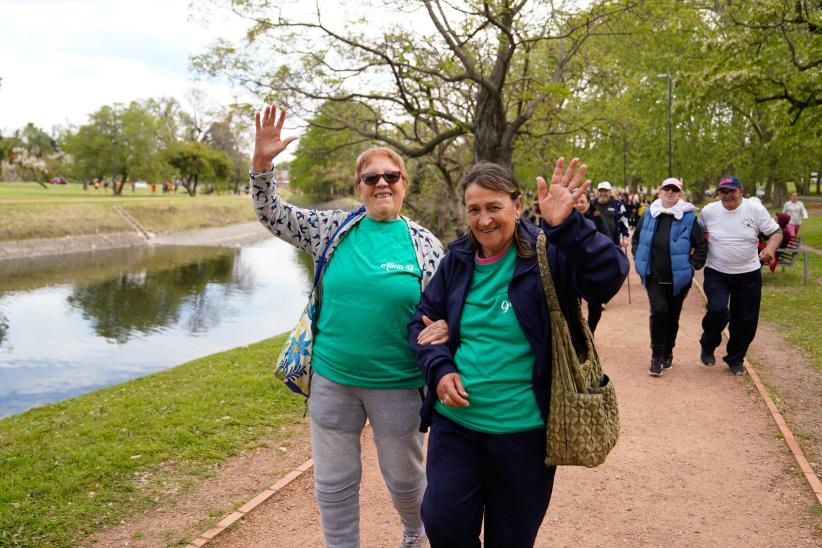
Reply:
x=370, y=290
x=494, y=359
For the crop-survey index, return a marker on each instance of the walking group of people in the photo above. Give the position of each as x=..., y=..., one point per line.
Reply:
x=413, y=339
x=669, y=243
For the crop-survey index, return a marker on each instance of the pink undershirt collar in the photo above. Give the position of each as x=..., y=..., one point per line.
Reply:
x=495, y=258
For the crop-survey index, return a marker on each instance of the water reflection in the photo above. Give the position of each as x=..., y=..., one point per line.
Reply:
x=115, y=316
x=143, y=301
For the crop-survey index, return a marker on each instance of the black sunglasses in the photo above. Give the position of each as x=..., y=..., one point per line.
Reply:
x=372, y=179
x=670, y=188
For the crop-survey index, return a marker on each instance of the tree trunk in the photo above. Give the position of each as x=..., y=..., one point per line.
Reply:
x=780, y=195
x=768, y=189
x=490, y=124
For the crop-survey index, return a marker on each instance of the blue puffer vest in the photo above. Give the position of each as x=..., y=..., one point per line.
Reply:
x=680, y=248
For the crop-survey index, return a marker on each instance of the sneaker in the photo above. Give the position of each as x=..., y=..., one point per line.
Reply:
x=707, y=357
x=414, y=540
x=737, y=368
x=656, y=367
x=667, y=362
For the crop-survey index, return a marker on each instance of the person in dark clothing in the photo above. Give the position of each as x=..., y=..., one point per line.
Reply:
x=614, y=217
x=489, y=386
x=583, y=205
x=668, y=245
x=610, y=218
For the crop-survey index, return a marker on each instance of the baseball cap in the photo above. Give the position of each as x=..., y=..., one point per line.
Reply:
x=604, y=185
x=671, y=181
x=731, y=183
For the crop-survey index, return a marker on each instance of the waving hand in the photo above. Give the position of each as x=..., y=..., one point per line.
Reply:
x=557, y=201
x=267, y=141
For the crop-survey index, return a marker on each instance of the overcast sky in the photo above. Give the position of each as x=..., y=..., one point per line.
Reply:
x=63, y=59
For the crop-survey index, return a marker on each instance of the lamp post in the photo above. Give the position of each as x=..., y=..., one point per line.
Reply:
x=113, y=143
x=670, y=103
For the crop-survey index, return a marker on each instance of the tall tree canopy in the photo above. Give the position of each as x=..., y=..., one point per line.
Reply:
x=475, y=70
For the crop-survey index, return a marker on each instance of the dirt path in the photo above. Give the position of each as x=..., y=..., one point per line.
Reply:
x=699, y=463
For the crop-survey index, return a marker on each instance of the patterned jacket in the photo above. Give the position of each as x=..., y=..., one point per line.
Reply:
x=310, y=229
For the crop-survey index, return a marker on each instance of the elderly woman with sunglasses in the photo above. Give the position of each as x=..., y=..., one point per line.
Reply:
x=489, y=386
x=668, y=245
x=377, y=264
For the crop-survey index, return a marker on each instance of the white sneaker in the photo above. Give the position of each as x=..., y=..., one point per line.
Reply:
x=414, y=540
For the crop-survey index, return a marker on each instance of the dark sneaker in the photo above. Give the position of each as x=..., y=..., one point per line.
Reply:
x=656, y=367
x=667, y=362
x=707, y=357
x=737, y=368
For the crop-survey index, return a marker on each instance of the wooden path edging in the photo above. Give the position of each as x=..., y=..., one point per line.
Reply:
x=249, y=506
x=787, y=435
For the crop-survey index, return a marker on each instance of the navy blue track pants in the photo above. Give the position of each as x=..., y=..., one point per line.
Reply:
x=473, y=475
x=733, y=300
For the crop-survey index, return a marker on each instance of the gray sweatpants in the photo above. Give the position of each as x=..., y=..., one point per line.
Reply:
x=338, y=415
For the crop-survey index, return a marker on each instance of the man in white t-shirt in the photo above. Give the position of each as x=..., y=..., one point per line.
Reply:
x=732, y=271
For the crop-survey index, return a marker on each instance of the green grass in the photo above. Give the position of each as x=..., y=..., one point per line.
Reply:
x=28, y=211
x=796, y=308
x=70, y=468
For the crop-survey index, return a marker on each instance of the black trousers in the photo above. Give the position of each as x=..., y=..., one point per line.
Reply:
x=471, y=475
x=665, y=311
x=733, y=300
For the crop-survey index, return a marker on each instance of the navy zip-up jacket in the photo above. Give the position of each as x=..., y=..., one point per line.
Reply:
x=584, y=263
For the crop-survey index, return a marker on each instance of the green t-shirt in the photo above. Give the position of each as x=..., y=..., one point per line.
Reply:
x=494, y=359
x=370, y=290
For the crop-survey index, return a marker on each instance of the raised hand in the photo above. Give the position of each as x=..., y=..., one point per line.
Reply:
x=556, y=202
x=267, y=141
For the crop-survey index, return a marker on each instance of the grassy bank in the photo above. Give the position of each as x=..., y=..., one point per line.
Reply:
x=793, y=306
x=70, y=468
x=28, y=210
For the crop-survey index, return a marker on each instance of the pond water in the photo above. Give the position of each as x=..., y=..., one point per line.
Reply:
x=73, y=324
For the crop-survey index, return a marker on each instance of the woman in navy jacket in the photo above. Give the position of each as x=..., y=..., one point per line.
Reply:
x=489, y=386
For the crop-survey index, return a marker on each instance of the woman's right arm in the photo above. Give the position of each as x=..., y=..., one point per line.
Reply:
x=302, y=228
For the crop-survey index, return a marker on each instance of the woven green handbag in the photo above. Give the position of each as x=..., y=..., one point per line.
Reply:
x=583, y=418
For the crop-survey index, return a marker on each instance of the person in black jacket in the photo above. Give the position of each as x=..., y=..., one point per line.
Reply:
x=489, y=385
x=668, y=245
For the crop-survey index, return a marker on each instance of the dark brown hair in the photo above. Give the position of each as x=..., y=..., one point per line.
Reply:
x=500, y=179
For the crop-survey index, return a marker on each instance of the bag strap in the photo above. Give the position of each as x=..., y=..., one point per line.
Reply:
x=566, y=364
x=318, y=270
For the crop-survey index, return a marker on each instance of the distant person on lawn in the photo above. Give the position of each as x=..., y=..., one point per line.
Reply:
x=733, y=276
x=798, y=213
x=378, y=263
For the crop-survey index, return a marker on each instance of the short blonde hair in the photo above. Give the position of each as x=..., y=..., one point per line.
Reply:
x=385, y=152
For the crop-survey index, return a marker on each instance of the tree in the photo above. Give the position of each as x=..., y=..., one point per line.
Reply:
x=196, y=161
x=323, y=163
x=226, y=135
x=472, y=75
x=122, y=141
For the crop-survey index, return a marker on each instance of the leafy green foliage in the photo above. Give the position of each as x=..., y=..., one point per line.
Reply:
x=195, y=161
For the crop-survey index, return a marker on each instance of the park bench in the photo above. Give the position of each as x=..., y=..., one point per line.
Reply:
x=786, y=257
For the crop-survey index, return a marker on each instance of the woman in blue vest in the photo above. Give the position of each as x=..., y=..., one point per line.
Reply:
x=668, y=245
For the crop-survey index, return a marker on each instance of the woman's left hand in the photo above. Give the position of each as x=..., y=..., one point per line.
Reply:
x=435, y=332
x=557, y=201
